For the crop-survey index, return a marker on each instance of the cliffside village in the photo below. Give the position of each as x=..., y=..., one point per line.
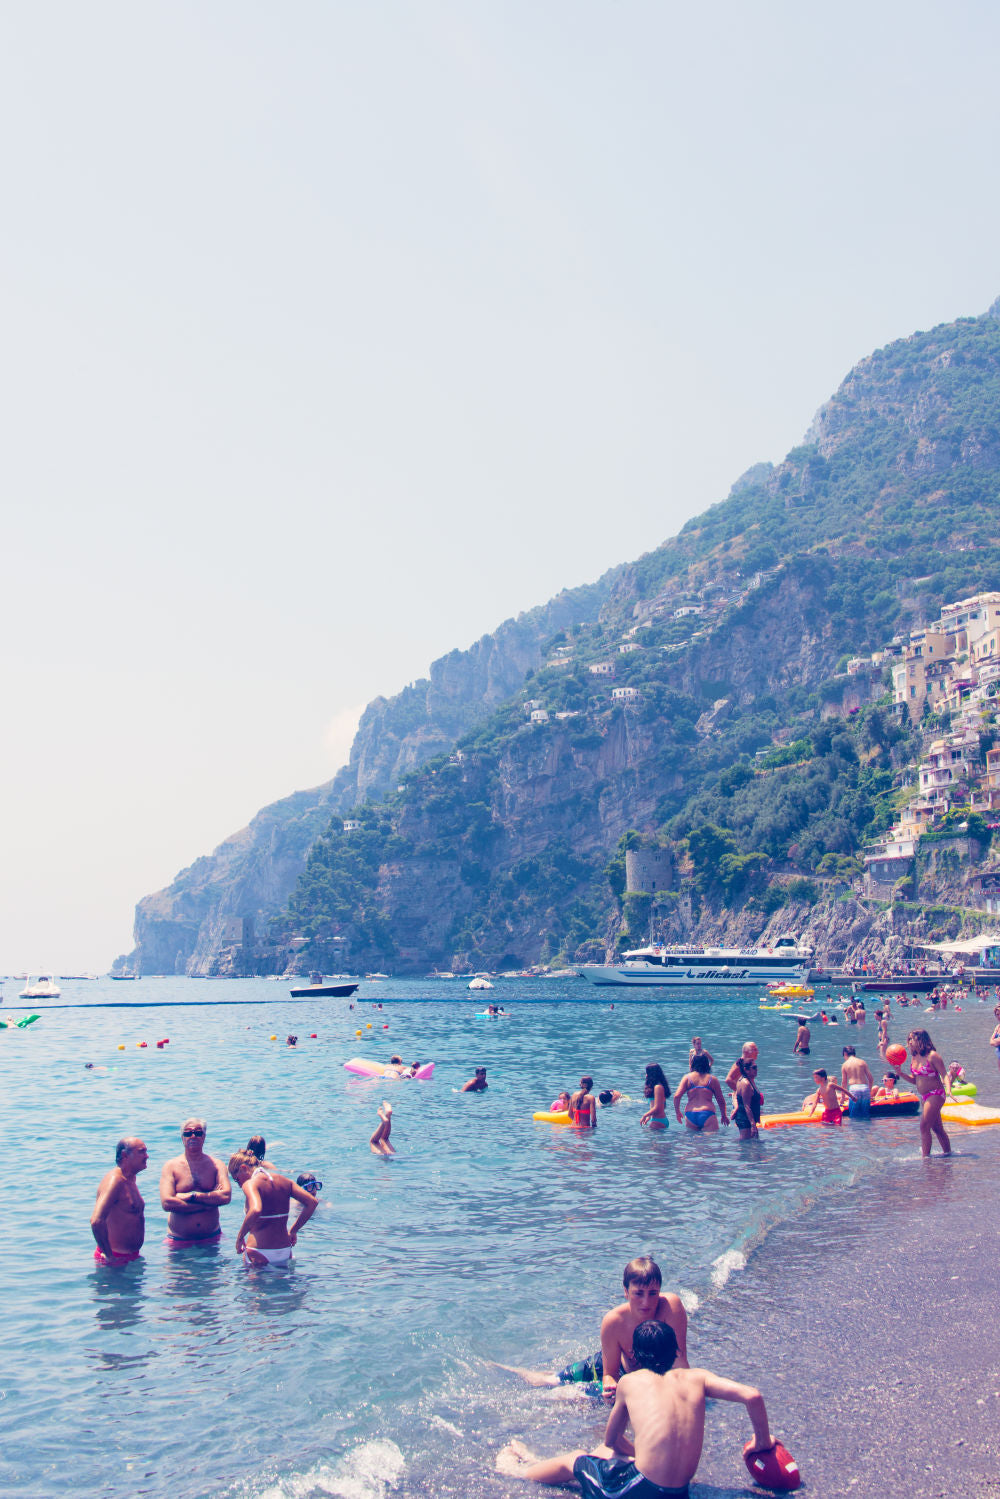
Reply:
x=950, y=667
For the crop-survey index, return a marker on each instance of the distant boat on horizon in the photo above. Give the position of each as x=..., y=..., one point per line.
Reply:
x=319, y=989
x=44, y=987
x=122, y=978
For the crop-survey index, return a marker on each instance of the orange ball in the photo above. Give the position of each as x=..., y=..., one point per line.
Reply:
x=895, y=1055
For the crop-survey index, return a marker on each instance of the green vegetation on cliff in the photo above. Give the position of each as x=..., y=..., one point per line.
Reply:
x=733, y=635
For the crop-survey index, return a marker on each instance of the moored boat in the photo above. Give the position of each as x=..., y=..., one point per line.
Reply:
x=705, y=967
x=318, y=989
x=902, y=983
x=43, y=987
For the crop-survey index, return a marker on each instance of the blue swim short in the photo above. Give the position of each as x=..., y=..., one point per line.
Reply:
x=609, y=1478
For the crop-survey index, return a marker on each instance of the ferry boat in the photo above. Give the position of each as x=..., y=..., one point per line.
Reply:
x=705, y=967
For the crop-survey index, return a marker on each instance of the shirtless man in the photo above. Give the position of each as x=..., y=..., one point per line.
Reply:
x=666, y=1406
x=748, y=1053
x=193, y=1187
x=643, y=1303
x=855, y=1074
x=477, y=1084
x=802, y=1039
x=118, y=1221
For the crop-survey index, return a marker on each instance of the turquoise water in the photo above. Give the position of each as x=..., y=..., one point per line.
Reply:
x=365, y=1370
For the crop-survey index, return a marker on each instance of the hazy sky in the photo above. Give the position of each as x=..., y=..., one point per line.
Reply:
x=333, y=335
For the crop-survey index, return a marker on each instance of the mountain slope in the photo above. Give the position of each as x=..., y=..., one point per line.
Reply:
x=215, y=916
x=717, y=644
x=732, y=634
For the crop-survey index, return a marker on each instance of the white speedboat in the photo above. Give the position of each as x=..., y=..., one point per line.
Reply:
x=479, y=982
x=43, y=987
x=705, y=967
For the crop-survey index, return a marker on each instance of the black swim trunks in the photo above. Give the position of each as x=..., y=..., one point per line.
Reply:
x=608, y=1478
x=584, y=1371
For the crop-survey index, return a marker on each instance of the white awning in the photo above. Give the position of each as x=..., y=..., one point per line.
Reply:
x=970, y=945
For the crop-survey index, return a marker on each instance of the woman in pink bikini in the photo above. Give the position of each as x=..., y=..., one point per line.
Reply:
x=265, y=1238
x=927, y=1076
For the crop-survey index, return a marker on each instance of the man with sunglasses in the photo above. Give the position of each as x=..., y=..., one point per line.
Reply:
x=193, y=1187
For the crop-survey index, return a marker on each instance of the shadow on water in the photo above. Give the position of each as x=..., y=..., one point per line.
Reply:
x=121, y=1306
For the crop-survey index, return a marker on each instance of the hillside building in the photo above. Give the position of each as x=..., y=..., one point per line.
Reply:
x=648, y=870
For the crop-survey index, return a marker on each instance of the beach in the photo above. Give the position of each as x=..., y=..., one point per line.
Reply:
x=847, y=1277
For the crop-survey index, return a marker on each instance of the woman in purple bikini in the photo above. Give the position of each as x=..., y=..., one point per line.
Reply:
x=927, y=1076
x=702, y=1092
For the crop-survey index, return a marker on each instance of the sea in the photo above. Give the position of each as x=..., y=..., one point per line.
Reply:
x=371, y=1367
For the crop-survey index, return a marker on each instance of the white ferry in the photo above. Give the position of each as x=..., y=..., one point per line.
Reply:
x=705, y=967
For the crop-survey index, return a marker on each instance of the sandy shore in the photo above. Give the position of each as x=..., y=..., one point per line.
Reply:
x=869, y=1322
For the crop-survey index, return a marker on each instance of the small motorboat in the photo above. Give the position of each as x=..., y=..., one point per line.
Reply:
x=480, y=982
x=43, y=987
x=339, y=989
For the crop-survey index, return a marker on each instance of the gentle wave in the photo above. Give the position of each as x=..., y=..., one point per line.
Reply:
x=369, y=1471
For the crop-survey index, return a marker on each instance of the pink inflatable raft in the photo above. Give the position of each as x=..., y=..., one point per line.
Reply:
x=363, y=1068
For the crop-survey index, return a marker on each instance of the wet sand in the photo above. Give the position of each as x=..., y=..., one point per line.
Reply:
x=869, y=1323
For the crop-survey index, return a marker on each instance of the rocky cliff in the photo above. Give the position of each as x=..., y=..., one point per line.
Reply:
x=682, y=699
x=722, y=644
x=215, y=917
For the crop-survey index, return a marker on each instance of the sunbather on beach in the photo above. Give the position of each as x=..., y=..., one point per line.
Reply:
x=644, y=1302
x=666, y=1406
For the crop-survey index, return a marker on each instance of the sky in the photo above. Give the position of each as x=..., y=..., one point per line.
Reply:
x=332, y=335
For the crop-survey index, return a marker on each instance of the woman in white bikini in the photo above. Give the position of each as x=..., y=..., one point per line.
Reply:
x=265, y=1238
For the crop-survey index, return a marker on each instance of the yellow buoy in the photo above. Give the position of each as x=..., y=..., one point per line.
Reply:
x=274, y=1038
x=357, y=1033
x=369, y=1026
x=121, y=1046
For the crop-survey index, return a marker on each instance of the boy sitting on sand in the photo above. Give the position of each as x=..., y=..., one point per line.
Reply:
x=666, y=1407
x=643, y=1303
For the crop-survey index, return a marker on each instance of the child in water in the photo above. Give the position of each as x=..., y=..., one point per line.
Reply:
x=379, y=1141
x=887, y=1093
x=830, y=1095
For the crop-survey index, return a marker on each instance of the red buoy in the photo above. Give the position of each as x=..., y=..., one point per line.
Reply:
x=775, y=1469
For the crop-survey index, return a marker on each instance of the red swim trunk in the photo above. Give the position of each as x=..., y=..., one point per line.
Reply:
x=832, y=1116
x=117, y=1257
